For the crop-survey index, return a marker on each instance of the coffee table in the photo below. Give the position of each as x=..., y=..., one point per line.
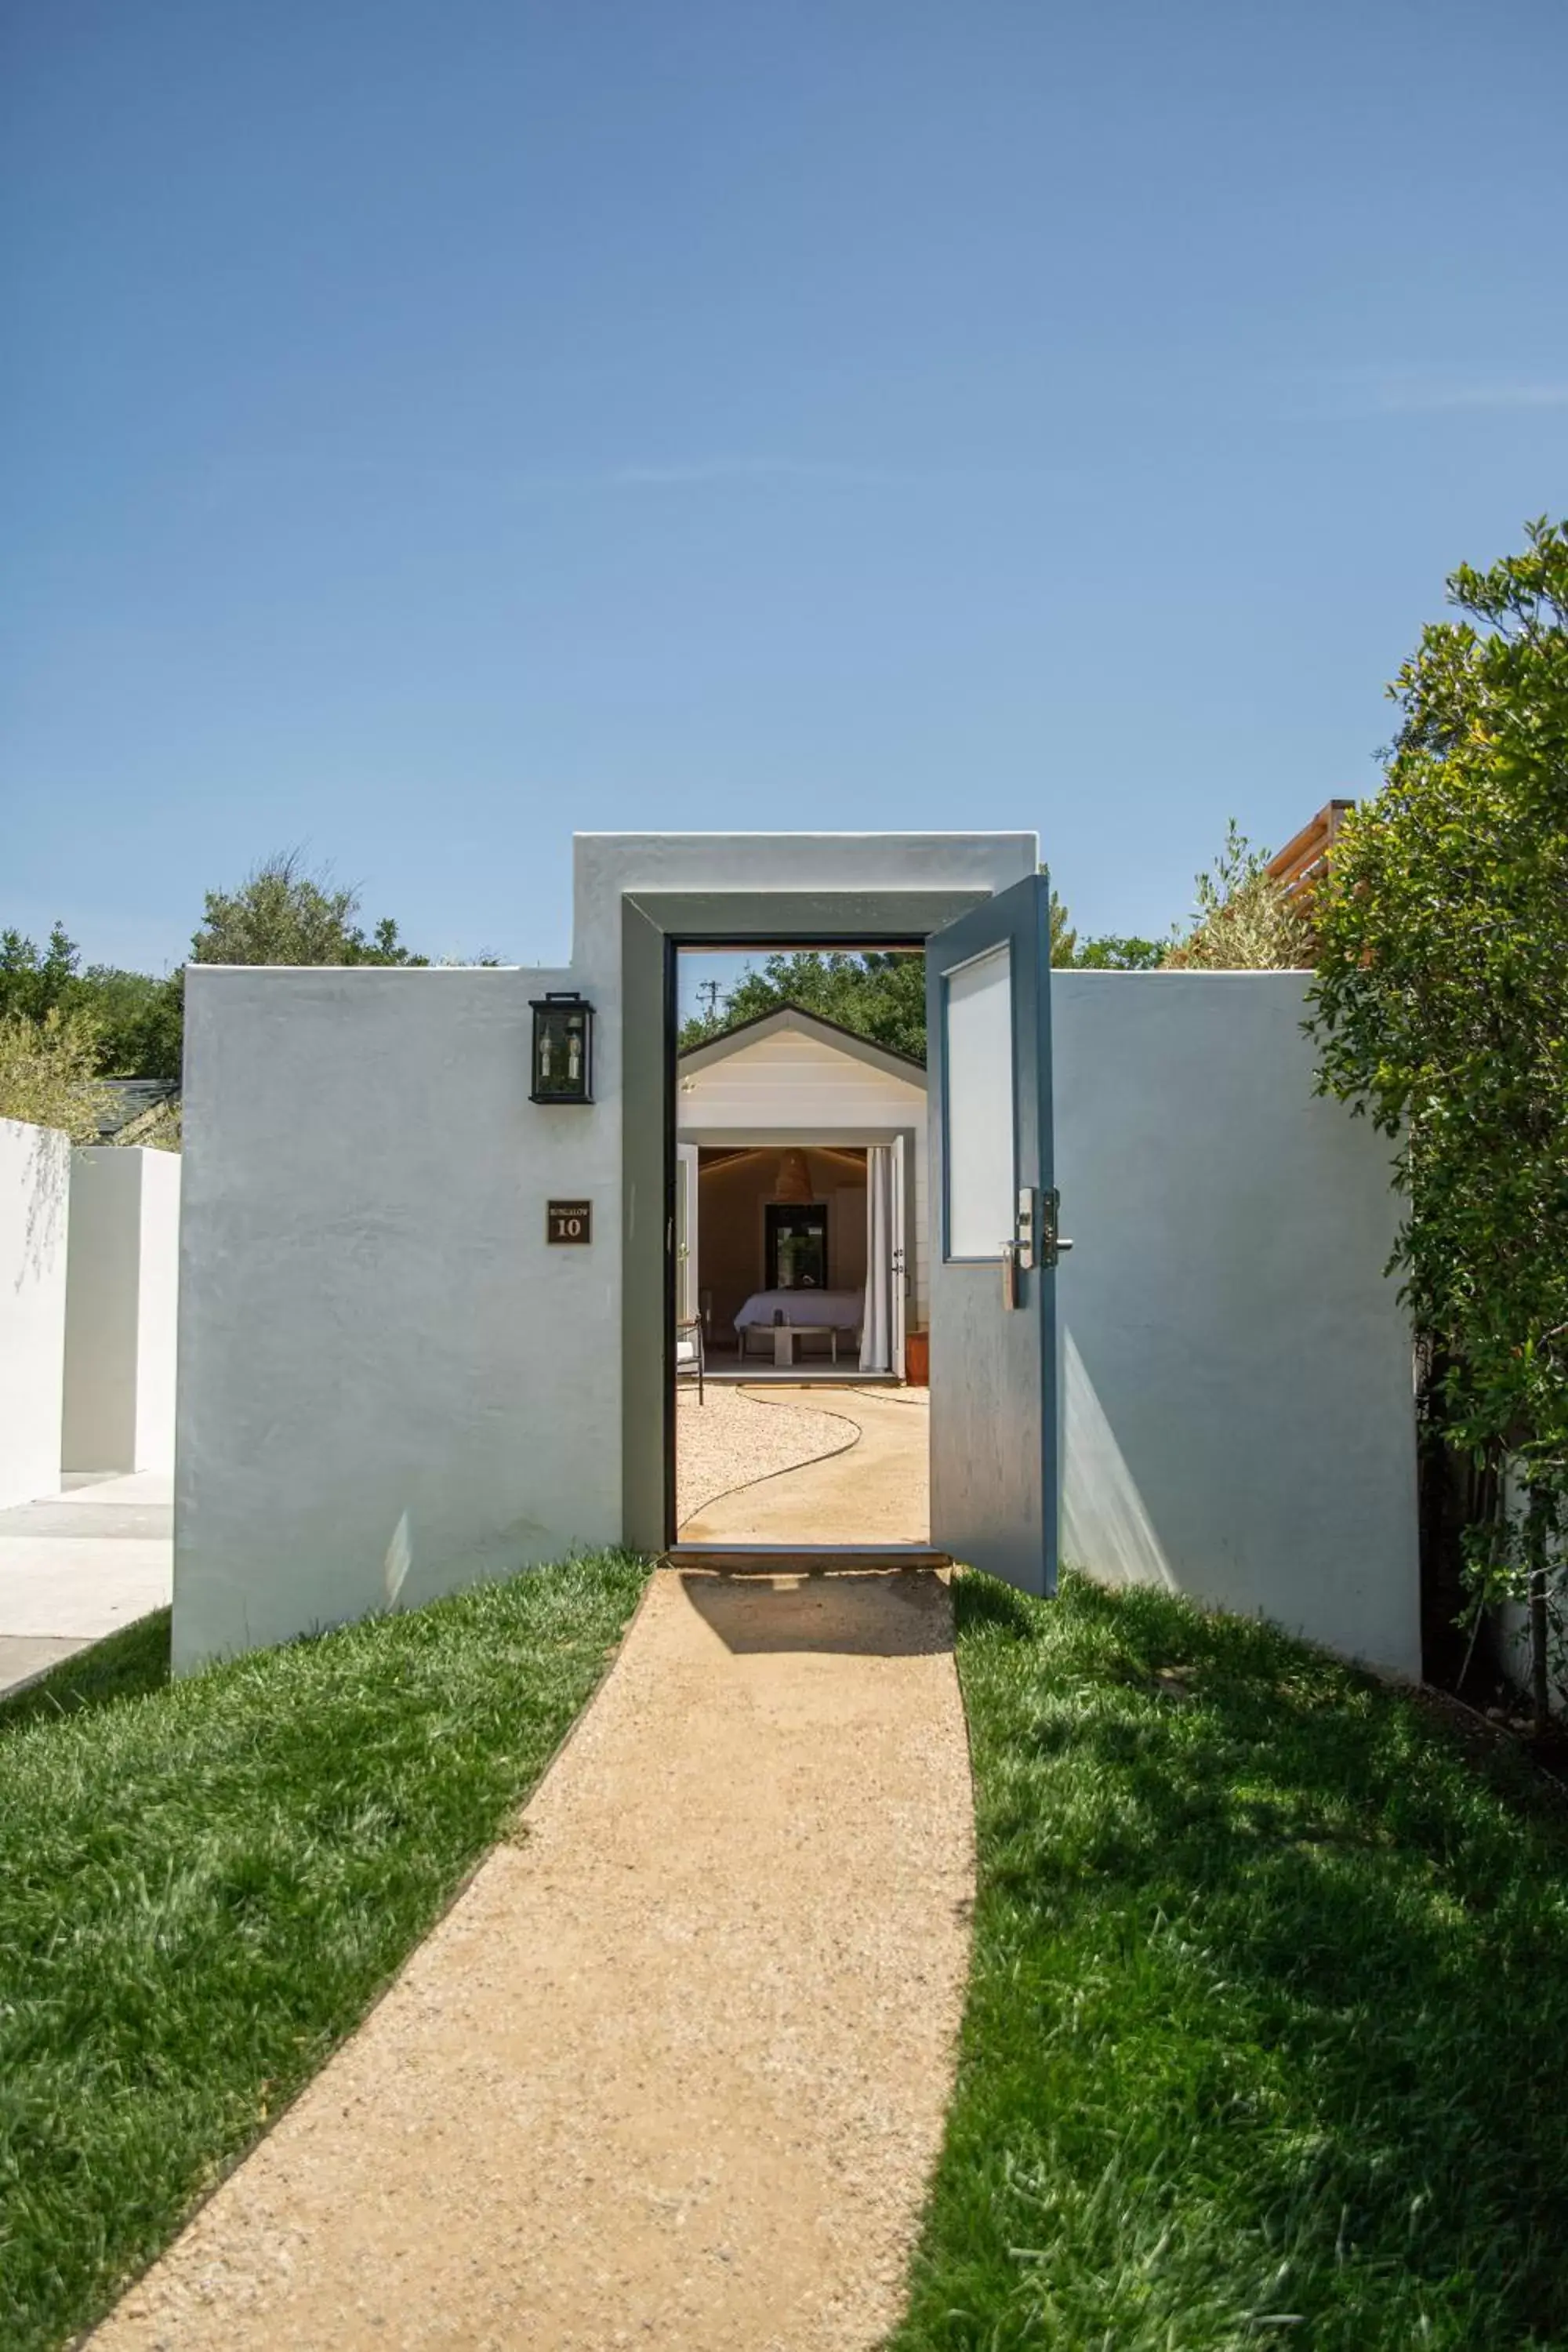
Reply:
x=786, y=1334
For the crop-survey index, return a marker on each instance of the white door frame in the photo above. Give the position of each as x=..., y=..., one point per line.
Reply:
x=687, y=1231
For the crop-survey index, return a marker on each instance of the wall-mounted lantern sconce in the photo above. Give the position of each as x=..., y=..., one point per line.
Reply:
x=562, y=1047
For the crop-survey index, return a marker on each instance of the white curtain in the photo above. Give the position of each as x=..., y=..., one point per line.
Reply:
x=876, y=1329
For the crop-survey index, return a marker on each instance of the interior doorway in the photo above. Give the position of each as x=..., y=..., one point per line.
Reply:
x=798, y=1110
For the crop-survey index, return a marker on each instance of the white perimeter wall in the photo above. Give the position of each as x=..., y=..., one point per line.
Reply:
x=385, y=1372
x=384, y=1369
x=157, y=1351
x=1236, y=1367
x=794, y=1081
x=120, y=1312
x=34, y=1215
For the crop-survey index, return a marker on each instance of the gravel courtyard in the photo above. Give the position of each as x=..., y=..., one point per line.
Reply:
x=874, y=1490
x=730, y=1440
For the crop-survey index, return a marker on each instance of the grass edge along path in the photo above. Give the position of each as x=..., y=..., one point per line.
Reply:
x=1269, y=1996
x=205, y=1885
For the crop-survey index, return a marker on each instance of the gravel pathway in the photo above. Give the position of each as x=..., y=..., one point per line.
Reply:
x=672, y=2072
x=730, y=1440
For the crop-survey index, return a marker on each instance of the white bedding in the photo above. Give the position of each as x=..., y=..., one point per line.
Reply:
x=833, y=1310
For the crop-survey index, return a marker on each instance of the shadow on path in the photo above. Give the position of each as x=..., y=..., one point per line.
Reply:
x=884, y=1614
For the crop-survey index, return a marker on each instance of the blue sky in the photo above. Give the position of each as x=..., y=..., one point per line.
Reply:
x=430, y=429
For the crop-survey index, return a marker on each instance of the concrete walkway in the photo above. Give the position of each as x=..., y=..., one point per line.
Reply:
x=79, y=1564
x=876, y=1492
x=672, y=2072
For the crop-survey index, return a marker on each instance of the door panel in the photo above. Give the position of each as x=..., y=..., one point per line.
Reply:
x=902, y=1273
x=993, y=1305
x=982, y=1147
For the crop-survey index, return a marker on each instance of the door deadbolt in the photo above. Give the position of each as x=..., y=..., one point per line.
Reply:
x=1031, y=1244
x=1052, y=1244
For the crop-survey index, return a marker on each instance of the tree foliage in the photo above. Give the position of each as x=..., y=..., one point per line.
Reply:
x=1441, y=1010
x=1064, y=937
x=141, y=1020
x=881, y=995
x=49, y=1073
x=137, y=1018
x=35, y=980
x=1244, y=920
x=1111, y=951
x=1116, y=951
x=282, y=913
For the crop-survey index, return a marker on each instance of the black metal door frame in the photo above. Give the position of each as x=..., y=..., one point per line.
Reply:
x=655, y=927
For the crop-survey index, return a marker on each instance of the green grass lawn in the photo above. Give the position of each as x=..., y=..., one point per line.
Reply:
x=1267, y=2041
x=204, y=1884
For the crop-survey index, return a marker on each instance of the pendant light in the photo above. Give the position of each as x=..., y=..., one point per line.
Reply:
x=792, y=1181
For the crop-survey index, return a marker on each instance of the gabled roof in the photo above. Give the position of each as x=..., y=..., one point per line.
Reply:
x=784, y=1017
x=127, y=1100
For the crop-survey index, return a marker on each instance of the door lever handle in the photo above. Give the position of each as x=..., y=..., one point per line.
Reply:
x=1010, y=1298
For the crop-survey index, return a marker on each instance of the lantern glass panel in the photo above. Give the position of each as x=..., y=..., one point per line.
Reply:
x=563, y=1052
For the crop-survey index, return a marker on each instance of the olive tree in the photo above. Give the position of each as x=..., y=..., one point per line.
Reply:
x=1244, y=920
x=282, y=913
x=49, y=1072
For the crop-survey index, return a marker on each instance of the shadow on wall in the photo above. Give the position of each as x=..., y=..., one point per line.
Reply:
x=412, y=1572
x=46, y=1183
x=398, y=1561
x=1106, y=1527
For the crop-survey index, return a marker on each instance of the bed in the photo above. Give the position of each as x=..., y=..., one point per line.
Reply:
x=799, y=1310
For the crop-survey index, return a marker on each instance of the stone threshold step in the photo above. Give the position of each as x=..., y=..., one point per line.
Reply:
x=814, y=1559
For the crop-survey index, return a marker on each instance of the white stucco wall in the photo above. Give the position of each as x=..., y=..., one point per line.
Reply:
x=384, y=1367
x=1236, y=1368
x=157, y=1345
x=381, y=1361
x=35, y=1219
x=389, y=1383
x=120, y=1311
x=102, y=1299
x=796, y=1081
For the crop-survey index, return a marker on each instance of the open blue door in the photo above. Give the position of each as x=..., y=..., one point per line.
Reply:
x=993, y=1239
